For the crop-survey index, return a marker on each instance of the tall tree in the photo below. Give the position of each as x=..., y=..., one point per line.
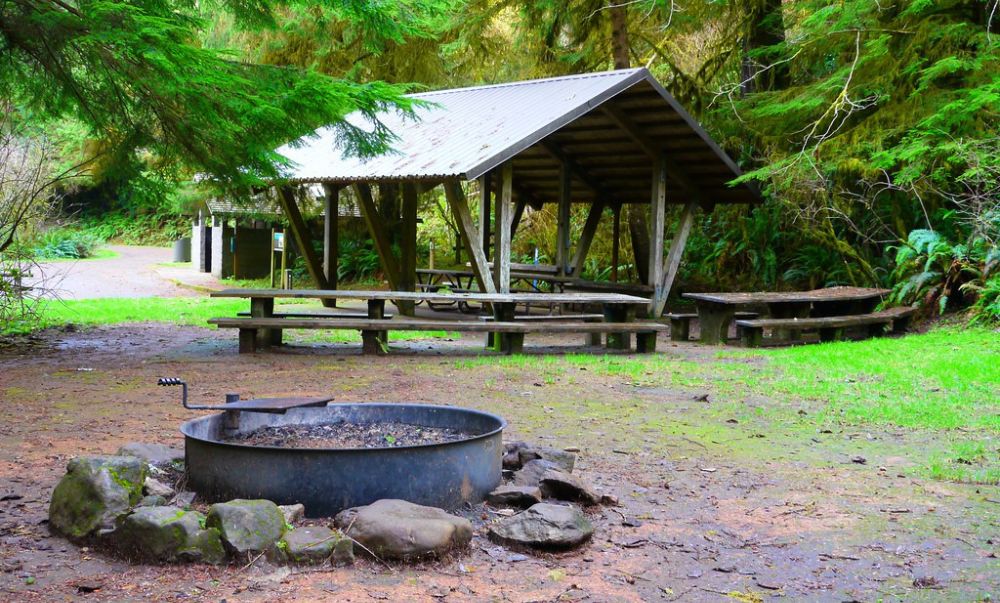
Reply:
x=134, y=73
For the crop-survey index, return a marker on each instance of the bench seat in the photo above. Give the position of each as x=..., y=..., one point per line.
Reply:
x=680, y=324
x=340, y=315
x=373, y=330
x=830, y=328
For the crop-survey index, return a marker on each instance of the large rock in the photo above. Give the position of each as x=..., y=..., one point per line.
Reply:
x=521, y=497
x=544, y=526
x=168, y=534
x=563, y=486
x=565, y=461
x=247, y=526
x=95, y=491
x=398, y=529
x=154, y=454
x=532, y=471
x=315, y=544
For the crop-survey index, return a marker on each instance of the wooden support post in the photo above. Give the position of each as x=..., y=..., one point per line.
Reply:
x=302, y=237
x=518, y=214
x=467, y=230
x=616, y=238
x=562, y=218
x=587, y=236
x=504, y=216
x=485, y=183
x=408, y=247
x=673, y=260
x=378, y=232
x=331, y=238
x=657, y=216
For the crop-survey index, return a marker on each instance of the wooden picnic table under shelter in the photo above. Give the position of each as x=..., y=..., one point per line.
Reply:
x=603, y=140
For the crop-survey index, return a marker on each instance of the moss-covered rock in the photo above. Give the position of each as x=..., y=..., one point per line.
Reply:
x=94, y=493
x=247, y=526
x=314, y=545
x=168, y=534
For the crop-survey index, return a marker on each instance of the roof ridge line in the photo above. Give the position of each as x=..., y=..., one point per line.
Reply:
x=573, y=76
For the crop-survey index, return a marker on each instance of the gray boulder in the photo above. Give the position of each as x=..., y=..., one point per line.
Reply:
x=155, y=487
x=532, y=471
x=543, y=526
x=168, y=534
x=565, y=461
x=521, y=497
x=152, y=500
x=154, y=454
x=314, y=544
x=95, y=491
x=398, y=529
x=247, y=526
x=563, y=486
x=293, y=513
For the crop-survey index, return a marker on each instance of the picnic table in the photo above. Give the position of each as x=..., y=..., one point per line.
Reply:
x=464, y=281
x=716, y=310
x=263, y=327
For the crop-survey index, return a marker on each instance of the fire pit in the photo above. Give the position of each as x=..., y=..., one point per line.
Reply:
x=441, y=456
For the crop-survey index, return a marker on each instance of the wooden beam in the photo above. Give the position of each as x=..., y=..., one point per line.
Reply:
x=518, y=214
x=485, y=184
x=378, y=232
x=652, y=149
x=408, y=247
x=673, y=261
x=616, y=235
x=303, y=239
x=467, y=230
x=574, y=168
x=563, y=219
x=657, y=216
x=331, y=238
x=587, y=237
x=503, y=220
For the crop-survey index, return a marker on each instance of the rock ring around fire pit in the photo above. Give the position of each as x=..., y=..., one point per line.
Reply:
x=327, y=480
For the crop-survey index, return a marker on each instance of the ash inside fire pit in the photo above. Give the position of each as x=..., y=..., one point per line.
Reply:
x=348, y=435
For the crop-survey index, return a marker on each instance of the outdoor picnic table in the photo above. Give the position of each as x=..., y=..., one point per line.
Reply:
x=715, y=310
x=618, y=308
x=464, y=280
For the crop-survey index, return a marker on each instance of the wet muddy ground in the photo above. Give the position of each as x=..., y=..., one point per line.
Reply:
x=719, y=500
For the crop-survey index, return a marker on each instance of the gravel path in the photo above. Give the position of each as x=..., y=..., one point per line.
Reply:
x=134, y=272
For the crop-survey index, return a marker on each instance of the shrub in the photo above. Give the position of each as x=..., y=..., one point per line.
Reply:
x=67, y=243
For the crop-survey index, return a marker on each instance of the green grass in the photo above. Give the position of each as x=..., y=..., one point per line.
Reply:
x=946, y=379
x=102, y=253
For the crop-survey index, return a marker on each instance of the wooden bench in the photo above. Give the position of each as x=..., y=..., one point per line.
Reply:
x=373, y=331
x=680, y=324
x=344, y=315
x=831, y=328
x=592, y=338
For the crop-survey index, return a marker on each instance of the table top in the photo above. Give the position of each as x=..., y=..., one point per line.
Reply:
x=517, y=298
x=514, y=274
x=829, y=294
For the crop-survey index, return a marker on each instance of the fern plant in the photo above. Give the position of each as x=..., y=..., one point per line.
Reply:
x=931, y=270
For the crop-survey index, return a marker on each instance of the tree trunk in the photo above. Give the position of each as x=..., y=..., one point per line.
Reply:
x=638, y=229
x=766, y=27
x=619, y=35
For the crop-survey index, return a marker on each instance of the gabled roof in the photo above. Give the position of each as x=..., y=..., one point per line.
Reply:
x=467, y=132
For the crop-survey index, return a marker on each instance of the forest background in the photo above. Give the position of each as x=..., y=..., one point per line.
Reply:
x=872, y=128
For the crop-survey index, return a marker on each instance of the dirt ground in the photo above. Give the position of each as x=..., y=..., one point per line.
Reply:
x=722, y=503
x=132, y=272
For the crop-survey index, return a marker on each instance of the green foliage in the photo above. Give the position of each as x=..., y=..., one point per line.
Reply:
x=158, y=229
x=357, y=259
x=931, y=270
x=135, y=75
x=66, y=243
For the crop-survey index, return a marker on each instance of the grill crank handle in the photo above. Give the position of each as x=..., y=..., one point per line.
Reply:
x=170, y=381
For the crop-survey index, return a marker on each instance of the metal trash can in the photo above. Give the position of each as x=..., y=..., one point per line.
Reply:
x=182, y=249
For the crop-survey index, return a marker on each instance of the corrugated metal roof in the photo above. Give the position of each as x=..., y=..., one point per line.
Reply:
x=467, y=127
x=469, y=131
x=263, y=206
